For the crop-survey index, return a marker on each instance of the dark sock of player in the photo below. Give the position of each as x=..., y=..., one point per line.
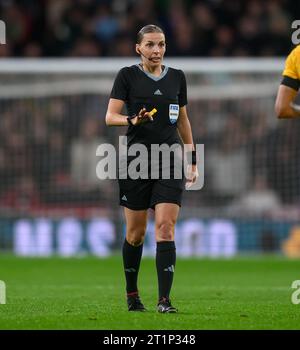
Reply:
x=131, y=260
x=165, y=266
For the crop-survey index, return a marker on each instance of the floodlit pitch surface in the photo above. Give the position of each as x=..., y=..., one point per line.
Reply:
x=88, y=293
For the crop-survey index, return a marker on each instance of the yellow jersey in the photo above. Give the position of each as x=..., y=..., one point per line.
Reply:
x=292, y=64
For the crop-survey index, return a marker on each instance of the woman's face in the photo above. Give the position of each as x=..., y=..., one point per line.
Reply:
x=152, y=48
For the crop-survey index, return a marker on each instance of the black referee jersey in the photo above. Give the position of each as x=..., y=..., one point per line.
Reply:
x=141, y=89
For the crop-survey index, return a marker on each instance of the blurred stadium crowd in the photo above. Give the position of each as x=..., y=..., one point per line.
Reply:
x=46, y=144
x=47, y=153
x=92, y=28
x=48, y=160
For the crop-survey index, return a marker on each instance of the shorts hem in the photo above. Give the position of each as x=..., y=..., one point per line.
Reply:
x=133, y=207
x=164, y=201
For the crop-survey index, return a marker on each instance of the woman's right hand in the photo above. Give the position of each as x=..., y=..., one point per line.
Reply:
x=142, y=117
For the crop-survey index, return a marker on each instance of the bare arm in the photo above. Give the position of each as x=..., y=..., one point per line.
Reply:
x=115, y=118
x=184, y=128
x=285, y=97
x=113, y=114
x=185, y=133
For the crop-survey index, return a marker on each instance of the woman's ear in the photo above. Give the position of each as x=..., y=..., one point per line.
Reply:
x=137, y=49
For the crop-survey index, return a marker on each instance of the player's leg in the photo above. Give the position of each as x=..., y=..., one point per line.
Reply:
x=135, y=197
x=165, y=219
x=136, y=222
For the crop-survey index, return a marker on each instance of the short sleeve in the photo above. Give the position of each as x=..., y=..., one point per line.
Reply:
x=120, y=88
x=292, y=64
x=291, y=73
x=182, y=98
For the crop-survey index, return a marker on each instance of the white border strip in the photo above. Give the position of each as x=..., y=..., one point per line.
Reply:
x=112, y=65
x=103, y=87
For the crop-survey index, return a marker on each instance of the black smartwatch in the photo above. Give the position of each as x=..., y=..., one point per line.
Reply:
x=129, y=119
x=192, y=157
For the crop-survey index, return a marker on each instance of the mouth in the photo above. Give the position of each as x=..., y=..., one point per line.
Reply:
x=155, y=59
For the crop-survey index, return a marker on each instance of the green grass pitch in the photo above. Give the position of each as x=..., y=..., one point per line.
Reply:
x=88, y=293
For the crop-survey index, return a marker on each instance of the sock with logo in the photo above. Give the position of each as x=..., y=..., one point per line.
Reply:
x=165, y=266
x=131, y=260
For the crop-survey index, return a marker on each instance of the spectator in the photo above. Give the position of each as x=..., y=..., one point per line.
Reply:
x=83, y=156
x=258, y=200
x=228, y=166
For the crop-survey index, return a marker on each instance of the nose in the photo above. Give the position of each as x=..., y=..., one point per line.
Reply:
x=156, y=49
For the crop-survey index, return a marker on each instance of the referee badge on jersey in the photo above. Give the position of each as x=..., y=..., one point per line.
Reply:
x=173, y=113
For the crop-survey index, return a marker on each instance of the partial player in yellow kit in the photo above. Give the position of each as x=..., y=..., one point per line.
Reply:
x=287, y=103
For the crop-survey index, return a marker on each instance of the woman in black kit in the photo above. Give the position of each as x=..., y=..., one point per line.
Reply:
x=155, y=97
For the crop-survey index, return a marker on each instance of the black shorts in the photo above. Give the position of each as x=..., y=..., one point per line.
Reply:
x=141, y=194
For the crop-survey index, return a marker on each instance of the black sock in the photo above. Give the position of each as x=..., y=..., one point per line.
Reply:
x=131, y=260
x=165, y=265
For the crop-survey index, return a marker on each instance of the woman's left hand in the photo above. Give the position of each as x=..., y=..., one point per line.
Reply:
x=192, y=174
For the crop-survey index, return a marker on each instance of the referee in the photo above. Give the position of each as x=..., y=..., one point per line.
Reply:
x=155, y=97
x=286, y=106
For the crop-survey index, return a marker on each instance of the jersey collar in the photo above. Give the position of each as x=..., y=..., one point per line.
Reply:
x=153, y=77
